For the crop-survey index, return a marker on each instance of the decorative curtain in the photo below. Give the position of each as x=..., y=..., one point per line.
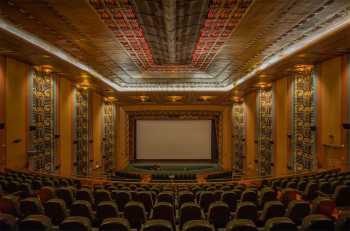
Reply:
x=264, y=132
x=82, y=133
x=303, y=120
x=108, y=137
x=42, y=122
x=238, y=120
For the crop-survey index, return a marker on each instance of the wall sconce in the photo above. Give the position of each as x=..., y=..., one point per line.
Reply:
x=144, y=98
x=175, y=98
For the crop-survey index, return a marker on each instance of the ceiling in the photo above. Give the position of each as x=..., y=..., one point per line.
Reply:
x=194, y=46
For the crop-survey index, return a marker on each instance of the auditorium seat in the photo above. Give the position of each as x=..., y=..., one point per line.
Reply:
x=323, y=205
x=185, y=196
x=297, y=210
x=146, y=198
x=271, y=209
x=246, y=210
x=190, y=211
x=198, y=225
x=121, y=198
x=46, y=193
x=56, y=210
x=317, y=222
x=106, y=209
x=165, y=211
x=102, y=195
x=82, y=209
x=249, y=195
x=157, y=225
x=311, y=191
x=135, y=213
x=205, y=199
x=75, y=223
x=9, y=205
x=8, y=222
x=342, y=198
x=288, y=195
x=280, y=224
x=231, y=199
x=219, y=214
x=86, y=195
x=31, y=206
x=241, y=225
x=115, y=224
x=343, y=223
x=65, y=194
x=267, y=194
x=35, y=223
x=166, y=196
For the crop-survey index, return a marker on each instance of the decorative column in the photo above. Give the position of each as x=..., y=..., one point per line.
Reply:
x=303, y=119
x=264, y=132
x=42, y=151
x=82, y=153
x=238, y=138
x=108, y=144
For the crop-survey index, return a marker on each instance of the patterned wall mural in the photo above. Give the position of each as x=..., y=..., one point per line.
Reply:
x=303, y=119
x=42, y=144
x=82, y=133
x=108, y=137
x=264, y=132
x=238, y=119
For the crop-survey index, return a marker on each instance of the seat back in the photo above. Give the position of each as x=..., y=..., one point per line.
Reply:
x=9, y=205
x=241, y=225
x=280, y=223
x=35, y=223
x=250, y=195
x=165, y=211
x=246, y=210
x=342, y=193
x=85, y=194
x=231, y=199
x=83, y=209
x=190, y=211
x=135, y=213
x=102, y=195
x=185, y=196
x=31, y=206
x=219, y=214
x=272, y=209
x=111, y=224
x=8, y=222
x=343, y=223
x=121, y=198
x=75, y=223
x=198, y=225
x=205, y=199
x=297, y=210
x=316, y=222
x=157, y=225
x=65, y=194
x=56, y=210
x=106, y=209
x=145, y=197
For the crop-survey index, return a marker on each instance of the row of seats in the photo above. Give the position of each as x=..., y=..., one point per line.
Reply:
x=147, y=205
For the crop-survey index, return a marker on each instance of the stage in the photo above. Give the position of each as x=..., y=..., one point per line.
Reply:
x=171, y=168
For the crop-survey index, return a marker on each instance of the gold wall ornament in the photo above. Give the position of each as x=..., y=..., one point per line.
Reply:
x=42, y=121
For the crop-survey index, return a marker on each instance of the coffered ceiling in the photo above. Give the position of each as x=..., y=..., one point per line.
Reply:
x=167, y=45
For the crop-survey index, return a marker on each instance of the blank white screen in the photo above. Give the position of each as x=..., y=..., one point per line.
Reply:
x=173, y=139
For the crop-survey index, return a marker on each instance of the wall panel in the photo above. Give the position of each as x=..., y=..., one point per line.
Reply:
x=65, y=126
x=16, y=113
x=250, y=107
